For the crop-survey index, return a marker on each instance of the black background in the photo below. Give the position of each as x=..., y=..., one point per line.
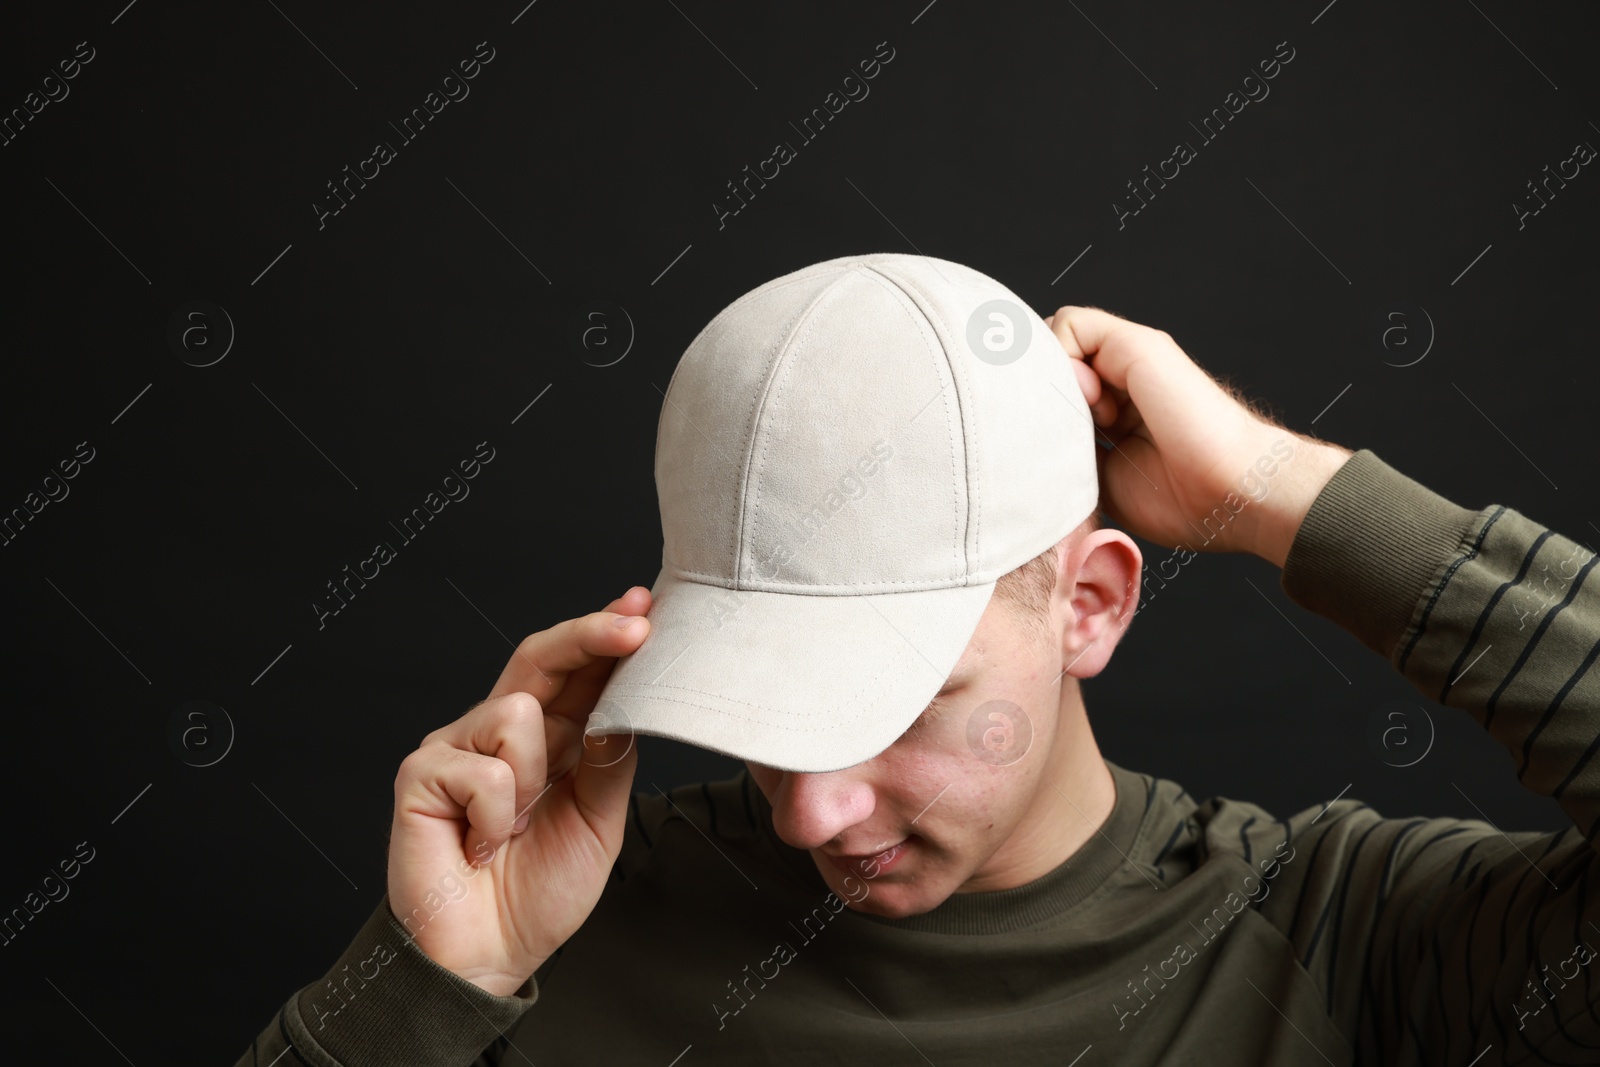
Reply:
x=377, y=351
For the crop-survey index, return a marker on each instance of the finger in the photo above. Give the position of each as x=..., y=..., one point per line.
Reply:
x=1084, y=331
x=1088, y=381
x=1107, y=458
x=563, y=740
x=510, y=728
x=1060, y=323
x=1105, y=411
x=584, y=685
x=636, y=601
x=443, y=782
x=543, y=660
x=1172, y=388
x=1129, y=421
x=1112, y=345
x=1104, y=402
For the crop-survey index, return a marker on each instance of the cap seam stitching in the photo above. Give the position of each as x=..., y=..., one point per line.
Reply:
x=797, y=334
x=770, y=286
x=956, y=582
x=961, y=566
x=851, y=702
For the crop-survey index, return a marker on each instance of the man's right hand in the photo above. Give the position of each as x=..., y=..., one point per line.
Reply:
x=508, y=820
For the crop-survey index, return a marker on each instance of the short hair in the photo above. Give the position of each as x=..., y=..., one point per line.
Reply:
x=1027, y=589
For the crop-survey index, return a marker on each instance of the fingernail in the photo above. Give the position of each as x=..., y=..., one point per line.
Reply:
x=622, y=622
x=521, y=824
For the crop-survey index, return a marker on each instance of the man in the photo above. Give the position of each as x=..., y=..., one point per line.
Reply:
x=882, y=578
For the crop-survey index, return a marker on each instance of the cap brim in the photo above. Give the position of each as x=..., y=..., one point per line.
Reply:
x=793, y=681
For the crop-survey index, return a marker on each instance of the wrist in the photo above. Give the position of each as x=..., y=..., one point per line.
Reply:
x=499, y=983
x=1277, y=518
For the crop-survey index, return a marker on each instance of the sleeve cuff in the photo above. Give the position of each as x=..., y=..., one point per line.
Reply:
x=1373, y=542
x=385, y=1001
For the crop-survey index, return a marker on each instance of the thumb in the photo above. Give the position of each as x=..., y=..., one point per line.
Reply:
x=603, y=780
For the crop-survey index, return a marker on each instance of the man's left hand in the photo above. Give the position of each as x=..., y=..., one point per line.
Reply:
x=1188, y=450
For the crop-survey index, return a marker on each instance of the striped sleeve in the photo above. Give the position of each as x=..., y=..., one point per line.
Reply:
x=1445, y=940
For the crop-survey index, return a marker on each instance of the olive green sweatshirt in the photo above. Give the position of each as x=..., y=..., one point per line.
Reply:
x=1184, y=931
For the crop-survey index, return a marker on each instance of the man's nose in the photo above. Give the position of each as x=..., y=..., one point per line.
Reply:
x=810, y=810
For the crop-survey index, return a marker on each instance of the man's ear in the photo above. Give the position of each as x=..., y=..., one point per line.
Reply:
x=1096, y=595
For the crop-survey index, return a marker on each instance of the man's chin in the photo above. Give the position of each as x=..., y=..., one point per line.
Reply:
x=884, y=898
x=895, y=902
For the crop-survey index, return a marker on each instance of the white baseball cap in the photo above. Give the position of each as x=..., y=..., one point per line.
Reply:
x=847, y=460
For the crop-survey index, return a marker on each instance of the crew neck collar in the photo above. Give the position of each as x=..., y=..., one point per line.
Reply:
x=1003, y=910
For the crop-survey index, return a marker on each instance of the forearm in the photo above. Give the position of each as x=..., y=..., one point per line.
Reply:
x=1460, y=923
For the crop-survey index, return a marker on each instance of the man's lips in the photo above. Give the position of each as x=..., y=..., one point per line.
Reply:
x=853, y=863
